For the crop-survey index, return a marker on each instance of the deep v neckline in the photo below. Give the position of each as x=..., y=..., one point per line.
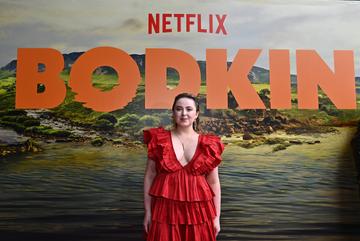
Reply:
x=173, y=150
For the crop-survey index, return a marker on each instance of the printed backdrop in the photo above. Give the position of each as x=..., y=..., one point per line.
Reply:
x=70, y=172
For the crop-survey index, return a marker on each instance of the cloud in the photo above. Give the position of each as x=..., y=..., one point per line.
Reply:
x=128, y=26
x=3, y=35
x=133, y=24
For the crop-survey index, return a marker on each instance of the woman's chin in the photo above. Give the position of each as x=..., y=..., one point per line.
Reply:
x=184, y=124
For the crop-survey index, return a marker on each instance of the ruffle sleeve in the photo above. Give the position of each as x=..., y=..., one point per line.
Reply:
x=216, y=148
x=150, y=140
x=159, y=149
x=212, y=148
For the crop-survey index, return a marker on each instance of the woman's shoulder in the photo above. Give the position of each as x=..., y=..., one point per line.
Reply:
x=213, y=141
x=152, y=133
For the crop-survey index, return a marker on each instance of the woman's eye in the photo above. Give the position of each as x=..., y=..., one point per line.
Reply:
x=179, y=109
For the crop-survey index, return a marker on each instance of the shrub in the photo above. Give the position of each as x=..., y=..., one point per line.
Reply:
x=18, y=127
x=103, y=125
x=47, y=131
x=31, y=122
x=128, y=120
x=165, y=118
x=148, y=120
x=109, y=117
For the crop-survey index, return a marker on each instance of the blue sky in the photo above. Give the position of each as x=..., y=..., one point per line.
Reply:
x=79, y=25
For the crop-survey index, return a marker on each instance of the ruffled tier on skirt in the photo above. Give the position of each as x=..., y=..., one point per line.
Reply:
x=181, y=232
x=182, y=212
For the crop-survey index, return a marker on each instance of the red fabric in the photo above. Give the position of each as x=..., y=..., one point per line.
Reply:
x=182, y=206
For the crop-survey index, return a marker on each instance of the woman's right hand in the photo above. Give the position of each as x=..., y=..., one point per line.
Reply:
x=147, y=222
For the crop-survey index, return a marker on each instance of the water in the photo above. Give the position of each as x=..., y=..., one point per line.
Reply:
x=80, y=192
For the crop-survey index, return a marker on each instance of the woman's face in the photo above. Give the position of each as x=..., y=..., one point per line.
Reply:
x=185, y=112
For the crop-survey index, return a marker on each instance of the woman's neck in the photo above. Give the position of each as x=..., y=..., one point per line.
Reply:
x=184, y=130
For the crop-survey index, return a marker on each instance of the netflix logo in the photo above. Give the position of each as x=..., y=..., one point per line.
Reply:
x=186, y=22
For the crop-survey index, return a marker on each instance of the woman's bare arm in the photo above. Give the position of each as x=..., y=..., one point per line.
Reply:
x=150, y=173
x=214, y=182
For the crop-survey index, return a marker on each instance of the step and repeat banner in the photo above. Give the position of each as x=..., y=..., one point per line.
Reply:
x=278, y=81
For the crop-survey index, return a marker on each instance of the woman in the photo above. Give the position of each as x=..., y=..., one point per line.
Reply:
x=181, y=183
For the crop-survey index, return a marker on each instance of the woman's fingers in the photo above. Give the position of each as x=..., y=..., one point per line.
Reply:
x=147, y=224
x=146, y=228
x=217, y=231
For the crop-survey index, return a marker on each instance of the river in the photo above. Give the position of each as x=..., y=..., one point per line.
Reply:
x=79, y=192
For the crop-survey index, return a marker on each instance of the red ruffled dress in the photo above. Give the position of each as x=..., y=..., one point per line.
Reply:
x=182, y=206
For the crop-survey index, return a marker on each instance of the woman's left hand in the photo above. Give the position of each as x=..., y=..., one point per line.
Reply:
x=217, y=225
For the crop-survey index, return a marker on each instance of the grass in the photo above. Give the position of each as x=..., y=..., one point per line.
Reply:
x=6, y=84
x=259, y=87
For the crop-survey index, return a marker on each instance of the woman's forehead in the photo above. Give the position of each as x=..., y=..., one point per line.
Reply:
x=185, y=102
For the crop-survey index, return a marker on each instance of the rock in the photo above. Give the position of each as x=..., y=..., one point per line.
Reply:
x=18, y=147
x=267, y=120
x=297, y=142
x=63, y=140
x=275, y=123
x=46, y=115
x=273, y=141
x=281, y=147
x=97, y=142
x=253, y=122
x=313, y=142
x=247, y=136
x=269, y=129
x=282, y=119
x=118, y=141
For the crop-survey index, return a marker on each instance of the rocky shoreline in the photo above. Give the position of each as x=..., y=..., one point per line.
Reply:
x=29, y=127
x=12, y=143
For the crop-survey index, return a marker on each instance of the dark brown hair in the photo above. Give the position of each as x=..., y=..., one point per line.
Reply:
x=194, y=98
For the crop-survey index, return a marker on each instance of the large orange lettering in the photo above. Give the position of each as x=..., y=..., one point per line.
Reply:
x=218, y=79
x=280, y=83
x=120, y=95
x=28, y=78
x=157, y=95
x=312, y=72
x=338, y=85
